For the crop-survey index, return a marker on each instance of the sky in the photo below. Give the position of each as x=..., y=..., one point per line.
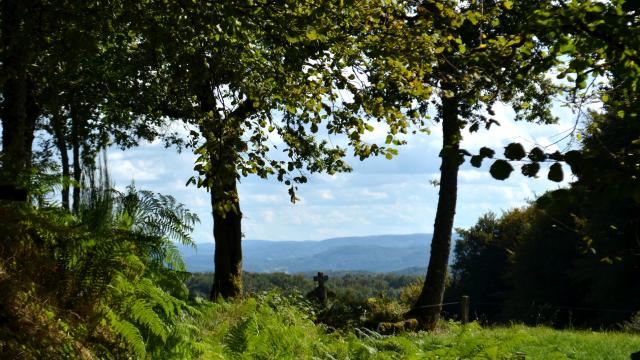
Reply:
x=378, y=197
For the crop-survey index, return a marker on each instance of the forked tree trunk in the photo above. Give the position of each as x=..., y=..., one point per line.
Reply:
x=427, y=309
x=227, y=231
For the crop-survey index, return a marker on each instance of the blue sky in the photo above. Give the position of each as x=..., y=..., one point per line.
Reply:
x=380, y=196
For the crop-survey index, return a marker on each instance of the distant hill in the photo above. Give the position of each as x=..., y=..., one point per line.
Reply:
x=382, y=253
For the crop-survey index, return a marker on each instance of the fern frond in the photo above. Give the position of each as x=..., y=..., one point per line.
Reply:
x=143, y=313
x=129, y=333
x=236, y=339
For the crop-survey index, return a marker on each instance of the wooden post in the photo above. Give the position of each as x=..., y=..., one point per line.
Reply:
x=464, y=309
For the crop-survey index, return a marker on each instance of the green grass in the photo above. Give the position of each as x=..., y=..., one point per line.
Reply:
x=275, y=327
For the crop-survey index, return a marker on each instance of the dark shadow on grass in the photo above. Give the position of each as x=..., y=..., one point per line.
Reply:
x=635, y=356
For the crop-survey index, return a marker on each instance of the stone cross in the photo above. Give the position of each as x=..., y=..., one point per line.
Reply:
x=321, y=291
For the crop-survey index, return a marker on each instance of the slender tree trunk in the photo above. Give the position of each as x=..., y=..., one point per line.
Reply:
x=18, y=105
x=77, y=169
x=227, y=231
x=61, y=144
x=32, y=112
x=433, y=289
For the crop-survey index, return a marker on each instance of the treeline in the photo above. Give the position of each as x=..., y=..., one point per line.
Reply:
x=345, y=287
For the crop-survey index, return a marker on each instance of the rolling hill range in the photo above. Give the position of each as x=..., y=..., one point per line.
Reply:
x=383, y=253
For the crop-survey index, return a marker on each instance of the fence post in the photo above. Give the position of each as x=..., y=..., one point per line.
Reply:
x=464, y=309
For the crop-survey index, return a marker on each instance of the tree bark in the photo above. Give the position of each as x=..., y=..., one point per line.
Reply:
x=19, y=111
x=61, y=144
x=222, y=136
x=427, y=308
x=227, y=231
x=77, y=169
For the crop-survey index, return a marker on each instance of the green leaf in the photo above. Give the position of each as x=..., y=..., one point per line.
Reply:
x=501, y=169
x=312, y=34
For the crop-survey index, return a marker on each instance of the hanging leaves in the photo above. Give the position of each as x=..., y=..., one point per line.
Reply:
x=536, y=154
x=514, y=151
x=501, y=169
x=555, y=172
x=485, y=152
x=530, y=170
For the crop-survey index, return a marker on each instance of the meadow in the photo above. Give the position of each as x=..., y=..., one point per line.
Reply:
x=271, y=326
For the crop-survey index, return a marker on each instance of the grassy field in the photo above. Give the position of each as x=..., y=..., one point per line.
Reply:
x=271, y=327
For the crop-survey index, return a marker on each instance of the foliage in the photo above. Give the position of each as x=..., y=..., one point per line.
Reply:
x=105, y=284
x=483, y=258
x=270, y=326
x=500, y=263
x=595, y=43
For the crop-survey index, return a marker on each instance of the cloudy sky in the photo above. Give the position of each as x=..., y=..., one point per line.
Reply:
x=380, y=196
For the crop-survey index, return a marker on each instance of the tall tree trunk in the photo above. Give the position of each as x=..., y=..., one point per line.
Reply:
x=427, y=308
x=77, y=169
x=221, y=136
x=61, y=144
x=227, y=231
x=19, y=110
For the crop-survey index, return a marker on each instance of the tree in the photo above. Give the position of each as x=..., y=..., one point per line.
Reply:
x=483, y=257
x=600, y=40
x=63, y=63
x=224, y=69
x=603, y=205
x=485, y=55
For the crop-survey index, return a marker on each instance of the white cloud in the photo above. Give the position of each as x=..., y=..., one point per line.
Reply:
x=378, y=197
x=139, y=170
x=373, y=195
x=262, y=198
x=473, y=175
x=268, y=216
x=327, y=195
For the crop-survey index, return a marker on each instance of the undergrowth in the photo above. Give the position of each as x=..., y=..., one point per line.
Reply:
x=272, y=326
x=105, y=283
